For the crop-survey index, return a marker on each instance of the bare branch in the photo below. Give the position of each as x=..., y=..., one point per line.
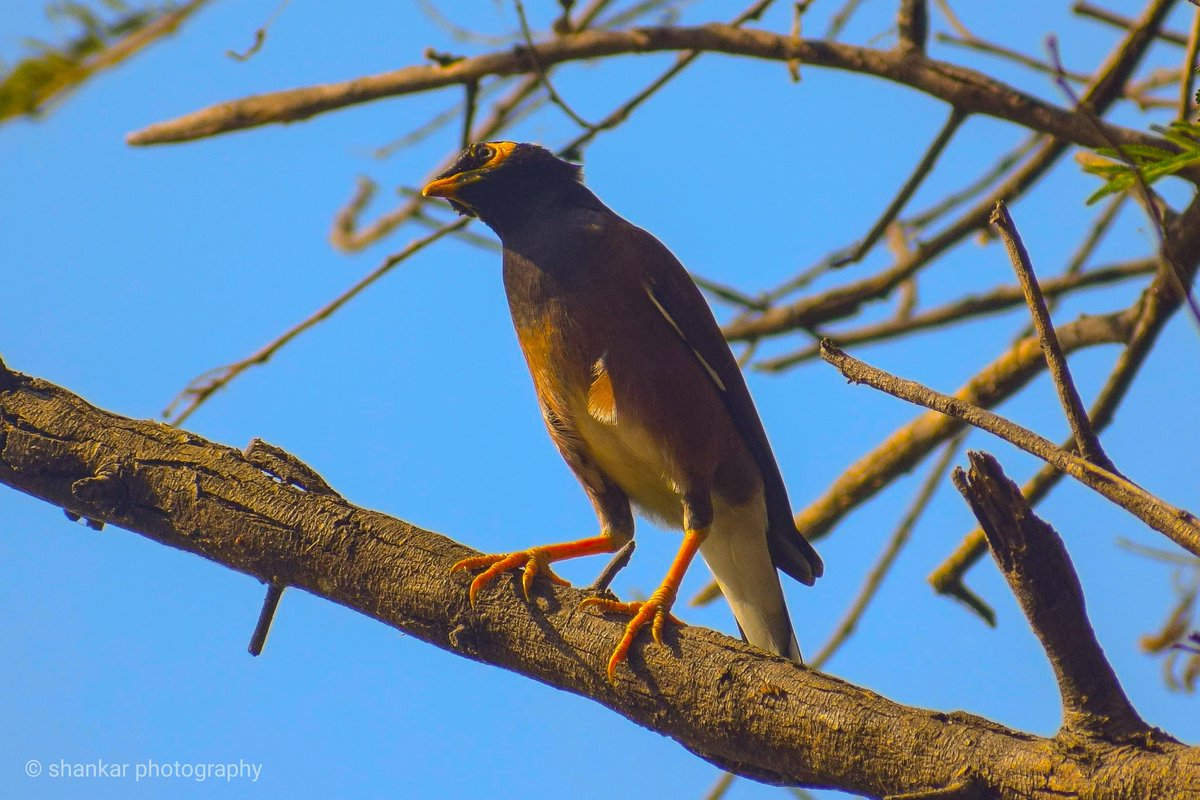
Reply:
x=1157, y=306
x=1085, y=9
x=1068, y=395
x=1187, y=72
x=470, y=98
x=970, y=91
x=1178, y=525
x=998, y=299
x=841, y=301
x=838, y=21
x=912, y=23
x=209, y=383
x=555, y=97
x=265, y=617
x=260, y=38
x=945, y=205
x=910, y=443
x=994, y=49
x=1035, y=563
x=920, y=172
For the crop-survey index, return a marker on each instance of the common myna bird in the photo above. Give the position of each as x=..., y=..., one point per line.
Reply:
x=639, y=391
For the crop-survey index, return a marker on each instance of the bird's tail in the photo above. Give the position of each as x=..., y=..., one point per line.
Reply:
x=792, y=553
x=736, y=551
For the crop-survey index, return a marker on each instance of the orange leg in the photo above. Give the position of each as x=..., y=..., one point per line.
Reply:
x=657, y=607
x=535, y=560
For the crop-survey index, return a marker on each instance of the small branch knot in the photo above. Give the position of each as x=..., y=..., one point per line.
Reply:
x=8, y=379
x=105, y=491
x=280, y=464
x=440, y=58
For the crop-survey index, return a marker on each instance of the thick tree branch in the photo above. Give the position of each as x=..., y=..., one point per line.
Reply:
x=969, y=91
x=740, y=709
x=1035, y=563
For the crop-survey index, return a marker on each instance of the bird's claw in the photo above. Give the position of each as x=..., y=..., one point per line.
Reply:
x=533, y=561
x=656, y=608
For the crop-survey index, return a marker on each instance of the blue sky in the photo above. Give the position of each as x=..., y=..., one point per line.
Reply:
x=129, y=271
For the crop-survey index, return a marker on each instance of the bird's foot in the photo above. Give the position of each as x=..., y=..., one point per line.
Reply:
x=534, y=561
x=656, y=610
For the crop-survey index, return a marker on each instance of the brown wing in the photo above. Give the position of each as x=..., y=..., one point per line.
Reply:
x=675, y=295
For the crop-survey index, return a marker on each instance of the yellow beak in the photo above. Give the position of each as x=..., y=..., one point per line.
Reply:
x=442, y=187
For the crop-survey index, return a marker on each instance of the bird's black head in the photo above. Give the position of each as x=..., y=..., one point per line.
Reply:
x=493, y=180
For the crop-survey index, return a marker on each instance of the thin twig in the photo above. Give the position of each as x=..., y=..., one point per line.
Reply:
x=899, y=538
x=531, y=49
x=798, y=9
x=1187, y=73
x=462, y=34
x=721, y=787
x=260, y=37
x=954, y=21
x=471, y=95
x=618, y=562
x=909, y=444
x=920, y=172
x=972, y=190
x=682, y=61
x=1068, y=394
x=729, y=294
x=1085, y=9
x=211, y=382
x=1158, y=554
x=1179, y=525
x=838, y=21
x=998, y=299
x=991, y=48
x=265, y=617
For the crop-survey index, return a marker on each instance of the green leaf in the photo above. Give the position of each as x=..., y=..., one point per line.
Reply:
x=1151, y=161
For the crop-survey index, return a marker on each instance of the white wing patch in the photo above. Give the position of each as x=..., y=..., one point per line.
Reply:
x=712, y=373
x=601, y=402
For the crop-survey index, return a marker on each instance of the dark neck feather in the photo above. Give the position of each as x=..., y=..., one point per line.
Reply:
x=514, y=206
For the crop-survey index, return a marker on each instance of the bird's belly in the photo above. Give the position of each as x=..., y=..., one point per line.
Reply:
x=631, y=458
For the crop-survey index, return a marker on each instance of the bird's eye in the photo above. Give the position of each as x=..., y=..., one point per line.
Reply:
x=484, y=153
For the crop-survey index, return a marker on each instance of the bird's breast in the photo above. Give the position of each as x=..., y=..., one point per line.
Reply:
x=582, y=342
x=623, y=448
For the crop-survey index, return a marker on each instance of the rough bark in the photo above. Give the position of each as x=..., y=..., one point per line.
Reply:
x=741, y=709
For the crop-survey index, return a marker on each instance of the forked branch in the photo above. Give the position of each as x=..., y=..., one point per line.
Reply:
x=1033, y=560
